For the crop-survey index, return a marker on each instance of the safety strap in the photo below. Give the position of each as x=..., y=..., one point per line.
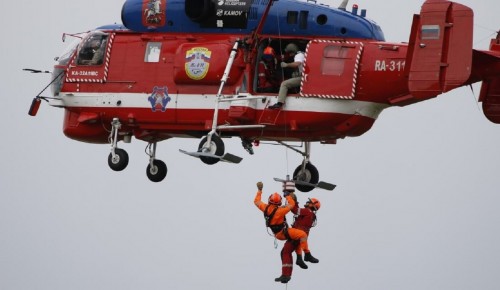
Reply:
x=285, y=232
x=269, y=217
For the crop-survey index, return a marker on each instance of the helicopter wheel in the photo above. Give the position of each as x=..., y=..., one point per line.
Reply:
x=216, y=147
x=157, y=172
x=309, y=174
x=119, y=161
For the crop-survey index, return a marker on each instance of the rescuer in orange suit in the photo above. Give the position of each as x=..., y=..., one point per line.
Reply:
x=305, y=219
x=267, y=81
x=274, y=214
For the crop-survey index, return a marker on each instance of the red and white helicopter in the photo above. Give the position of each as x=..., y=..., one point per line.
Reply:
x=189, y=68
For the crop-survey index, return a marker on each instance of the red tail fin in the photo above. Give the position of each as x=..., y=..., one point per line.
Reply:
x=440, y=49
x=487, y=65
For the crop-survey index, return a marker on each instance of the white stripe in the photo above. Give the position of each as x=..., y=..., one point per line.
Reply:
x=293, y=103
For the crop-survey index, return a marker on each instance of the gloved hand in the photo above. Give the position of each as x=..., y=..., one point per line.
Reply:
x=294, y=197
x=284, y=64
x=260, y=185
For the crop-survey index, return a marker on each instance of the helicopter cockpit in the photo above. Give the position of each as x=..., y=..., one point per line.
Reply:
x=90, y=53
x=91, y=49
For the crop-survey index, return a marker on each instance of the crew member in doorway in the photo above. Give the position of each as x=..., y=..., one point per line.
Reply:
x=297, y=64
x=305, y=219
x=268, y=81
x=274, y=214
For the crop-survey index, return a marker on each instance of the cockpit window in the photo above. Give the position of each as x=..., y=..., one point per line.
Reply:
x=92, y=48
x=68, y=52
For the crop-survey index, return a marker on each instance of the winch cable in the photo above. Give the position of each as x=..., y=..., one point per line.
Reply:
x=282, y=79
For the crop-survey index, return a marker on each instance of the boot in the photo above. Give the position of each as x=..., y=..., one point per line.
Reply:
x=276, y=106
x=309, y=258
x=300, y=262
x=283, y=279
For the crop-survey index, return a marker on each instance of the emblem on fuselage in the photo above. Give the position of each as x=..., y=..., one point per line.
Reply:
x=153, y=15
x=159, y=99
x=197, y=62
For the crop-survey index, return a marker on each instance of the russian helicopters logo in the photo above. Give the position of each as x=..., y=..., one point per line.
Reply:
x=159, y=99
x=197, y=62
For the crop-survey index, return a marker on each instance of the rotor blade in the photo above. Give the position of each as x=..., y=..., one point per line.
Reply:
x=35, y=71
x=228, y=157
x=32, y=70
x=200, y=154
x=321, y=184
x=326, y=185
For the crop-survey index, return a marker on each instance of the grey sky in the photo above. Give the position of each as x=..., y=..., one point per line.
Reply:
x=416, y=205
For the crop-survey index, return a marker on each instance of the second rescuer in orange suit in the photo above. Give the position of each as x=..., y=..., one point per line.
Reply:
x=274, y=213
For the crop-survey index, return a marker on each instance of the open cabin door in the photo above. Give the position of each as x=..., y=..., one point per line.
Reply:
x=331, y=69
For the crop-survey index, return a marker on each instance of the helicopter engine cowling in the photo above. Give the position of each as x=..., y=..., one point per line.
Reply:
x=197, y=10
x=243, y=16
x=140, y=15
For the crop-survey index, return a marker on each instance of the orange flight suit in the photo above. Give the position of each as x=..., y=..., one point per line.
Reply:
x=279, y=218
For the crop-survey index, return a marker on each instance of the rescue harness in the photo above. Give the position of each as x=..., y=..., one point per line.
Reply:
x=277, y=227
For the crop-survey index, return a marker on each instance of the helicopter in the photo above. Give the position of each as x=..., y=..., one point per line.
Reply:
x=190, y=69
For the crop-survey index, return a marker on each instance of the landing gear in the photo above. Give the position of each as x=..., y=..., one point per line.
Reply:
x=118, y=158
x=308, y=173
x=214, y=147
x=156, y=169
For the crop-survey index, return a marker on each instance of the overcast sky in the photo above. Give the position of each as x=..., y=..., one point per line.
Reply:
x=416, y=205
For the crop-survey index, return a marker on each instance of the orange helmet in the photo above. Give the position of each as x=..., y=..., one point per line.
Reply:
x=313, y=203
x=268, y=53
x=275, y=199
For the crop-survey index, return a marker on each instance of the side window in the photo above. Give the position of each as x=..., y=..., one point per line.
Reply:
x=91, y=49
x=334, y=58
x=152, y=53
x=303, y=19
x=291, y=17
